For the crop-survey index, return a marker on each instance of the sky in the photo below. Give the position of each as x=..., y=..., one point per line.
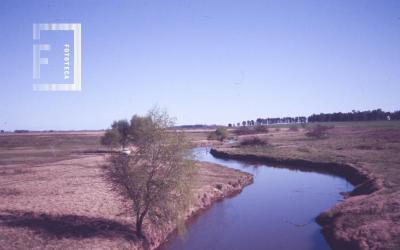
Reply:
x=204, y=61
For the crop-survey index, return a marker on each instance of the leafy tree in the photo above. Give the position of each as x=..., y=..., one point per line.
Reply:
x=156, y=177
x=141, y=129
x=122, y=127
x=111, y=138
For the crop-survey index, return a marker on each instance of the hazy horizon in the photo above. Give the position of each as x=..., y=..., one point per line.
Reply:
x=206, y=62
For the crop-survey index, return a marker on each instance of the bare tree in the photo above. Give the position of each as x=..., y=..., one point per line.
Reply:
x=156, y=177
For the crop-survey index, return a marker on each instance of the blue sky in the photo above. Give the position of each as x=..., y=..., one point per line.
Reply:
x=204, y=61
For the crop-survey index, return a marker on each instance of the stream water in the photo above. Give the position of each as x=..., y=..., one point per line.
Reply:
x=277, y=211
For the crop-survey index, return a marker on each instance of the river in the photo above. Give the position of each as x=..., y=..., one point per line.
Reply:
x=277, y=211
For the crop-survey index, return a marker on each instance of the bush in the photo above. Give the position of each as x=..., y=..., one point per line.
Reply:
x=254, y=141
x=261, y=129
x=318, y=131
x=253, y=130
x=219, y=134
x=293, y=128
x=243, y=131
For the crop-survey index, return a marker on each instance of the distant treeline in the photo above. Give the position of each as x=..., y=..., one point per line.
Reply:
x=196, y=126
x=298, y=119
x=268, y=121
x=21, y=131
x=31, y=131
x=369, y=115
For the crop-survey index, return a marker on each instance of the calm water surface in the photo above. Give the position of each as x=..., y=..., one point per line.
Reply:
x=277, y=211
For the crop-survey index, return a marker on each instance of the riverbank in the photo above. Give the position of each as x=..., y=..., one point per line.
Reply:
x=60, y=199
x=367, y=156
x=69, y=205
x=278, y=211
x=213, y=183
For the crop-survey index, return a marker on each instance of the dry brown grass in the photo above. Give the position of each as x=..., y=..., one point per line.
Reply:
x=64, y=201
x=367, y=221
x=61, y=205
x=254, y=141
x=35, y=148
x=199, y=137
x=377, y=147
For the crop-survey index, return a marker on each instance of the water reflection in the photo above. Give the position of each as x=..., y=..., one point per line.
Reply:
x=276, y=212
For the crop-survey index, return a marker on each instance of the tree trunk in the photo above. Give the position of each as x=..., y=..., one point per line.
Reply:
x=139, y=232
x=139, y=222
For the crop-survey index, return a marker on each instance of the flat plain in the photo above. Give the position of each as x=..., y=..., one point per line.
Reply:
x=366, y=153
x=53, y=194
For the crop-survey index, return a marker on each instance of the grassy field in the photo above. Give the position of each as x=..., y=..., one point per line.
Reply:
x=52, y=182
x=374, y=145
x=367, y=221
x=42, y=147
x=53, y=194
x=33, y=148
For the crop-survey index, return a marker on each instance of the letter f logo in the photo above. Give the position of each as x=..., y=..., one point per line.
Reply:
x=37, y=60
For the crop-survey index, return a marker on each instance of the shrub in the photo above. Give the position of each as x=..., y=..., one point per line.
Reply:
x=318, y=131
x=293, y=128
x=243, y=131
x=251, y=130
x=254, y=141
x=219, y=134
x=261, y=129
